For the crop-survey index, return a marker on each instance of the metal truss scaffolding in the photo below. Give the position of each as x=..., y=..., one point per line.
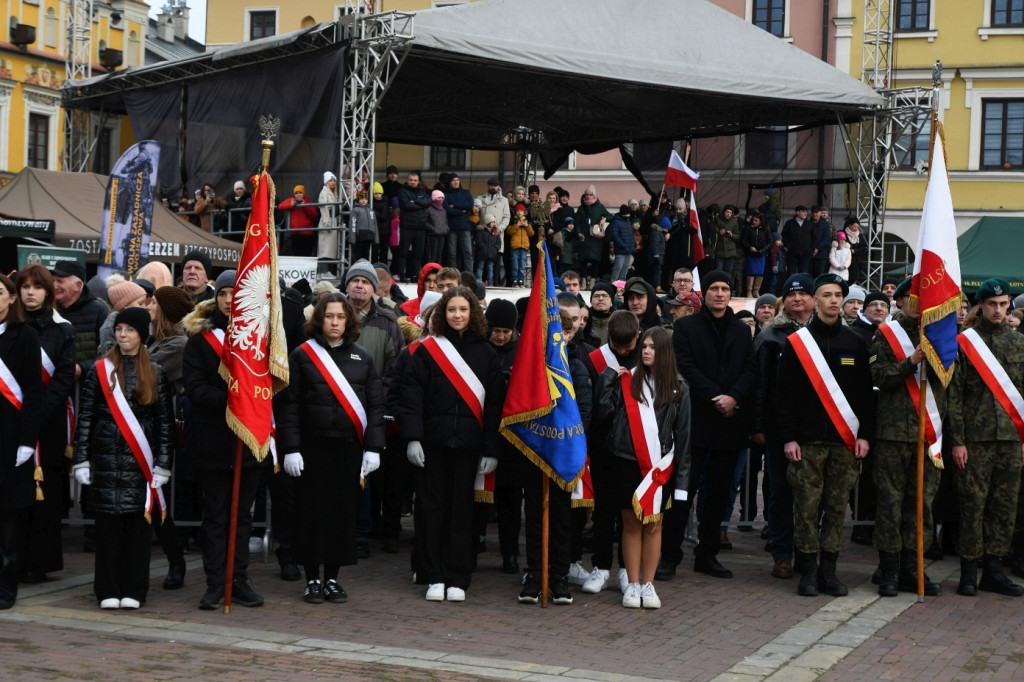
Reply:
x=77, y=66
x=378, y=44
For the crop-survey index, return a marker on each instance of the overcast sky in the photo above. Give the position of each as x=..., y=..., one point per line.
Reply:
x=196, y=17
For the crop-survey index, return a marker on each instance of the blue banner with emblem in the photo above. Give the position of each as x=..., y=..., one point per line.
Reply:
x=128, y=209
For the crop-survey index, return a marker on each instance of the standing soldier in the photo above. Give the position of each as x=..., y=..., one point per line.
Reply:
x=985, y=403
x=825, y=417
x=896, y=357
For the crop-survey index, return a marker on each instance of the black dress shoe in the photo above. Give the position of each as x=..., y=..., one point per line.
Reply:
x=665, y=571
x=213, y=599
x=510, y=565
x=710, y=565
x=175, y=576
x=290, y=572
x=242, y=594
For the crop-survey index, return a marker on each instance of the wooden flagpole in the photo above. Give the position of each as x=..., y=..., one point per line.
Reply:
x=544, y=536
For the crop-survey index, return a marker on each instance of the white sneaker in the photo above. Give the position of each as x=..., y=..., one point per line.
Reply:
x=577, y=574
x=435, y=592
x=597, y=581
x=631, y=598
x=255, y=544
x=649, y=597
x=129, y=603
x=456, y=594
x=623, y=580
x=112, y=603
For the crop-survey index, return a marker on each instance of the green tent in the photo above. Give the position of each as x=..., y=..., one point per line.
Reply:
x=992, y=248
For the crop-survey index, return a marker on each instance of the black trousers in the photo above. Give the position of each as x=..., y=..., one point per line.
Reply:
x=411, y=246
x=444, y=515
x=719, y=467
x=605, y=512
x=216, y=487
x=170, y=540
x=508, y=500
x=42, y=550
x=123, y=550
x=13, y=524
x=391, y=481
x=559, y=521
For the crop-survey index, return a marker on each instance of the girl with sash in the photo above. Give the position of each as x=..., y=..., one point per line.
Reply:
x=649, y=411
x=42, y=552
x=449, y=414
x=330, y=424
x=21, y=400
x=123, y=449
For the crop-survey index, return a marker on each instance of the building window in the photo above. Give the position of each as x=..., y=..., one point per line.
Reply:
x=770, y=15
x=1002, y=135
x=767, y=149
x=50, y=28
x=1008, y=12
x=131, y=58
x=38, y=140
x=911, y=148
x=447, y=158
x=912, y=15
x=262, y=24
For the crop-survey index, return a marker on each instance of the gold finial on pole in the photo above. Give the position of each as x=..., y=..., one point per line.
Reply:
x=270, y=126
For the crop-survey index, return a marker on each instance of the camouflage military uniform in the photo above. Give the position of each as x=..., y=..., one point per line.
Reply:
x=895, y=446
x=987, y=487
x=820, y=462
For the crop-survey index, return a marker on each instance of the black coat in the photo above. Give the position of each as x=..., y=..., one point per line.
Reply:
x=57, y=338
x=19, y=348
x=799, y=413
x=118, y=484
x=413, y=203
x=716, y=357
x=308, y=408
x=767, y=349
x=431, y=408
x=86, y=315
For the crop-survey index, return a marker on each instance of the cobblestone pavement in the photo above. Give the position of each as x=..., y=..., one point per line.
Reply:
x=751, y=627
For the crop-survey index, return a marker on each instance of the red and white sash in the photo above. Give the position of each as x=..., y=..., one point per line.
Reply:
x=469, y=387
x=336, y=381
x=69, y=407
x=603, y=358
x=825, y=385
x=994, y=376
x=902, y=347
x=9, y=387
x=583, y=494
x=657, y=469
x=132, y=432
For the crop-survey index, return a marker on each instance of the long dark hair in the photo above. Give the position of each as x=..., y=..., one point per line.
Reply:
x=145, y=382
x=316, y=320
x=37, y=274
x=663, y=374
x=439, y=316
x=16, y=311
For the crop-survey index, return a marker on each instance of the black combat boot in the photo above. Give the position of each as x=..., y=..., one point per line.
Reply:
x=808, y=586
x=827, y=580
x=889, y=567
x=968, y=586
x=994, y=580
x=908, y=576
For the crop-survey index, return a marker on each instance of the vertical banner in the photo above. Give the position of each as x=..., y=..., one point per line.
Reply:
x=128, y=209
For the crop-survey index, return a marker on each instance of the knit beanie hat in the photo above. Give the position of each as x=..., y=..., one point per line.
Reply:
x=765, y=299
x=436, y=195
x=856, y=294
x=174, y=303
x=328, y=175
x=501, y=313
x=137, y=318
x=362, y=268
x=224, y=279
x=200, y=256
x=606, y=287
x=378, y=188
x=239, y=184
x=799, y=281
x=120, y=294
x=715, y=276
x=875, y=296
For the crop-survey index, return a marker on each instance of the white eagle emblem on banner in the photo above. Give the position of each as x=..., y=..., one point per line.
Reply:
x=251, y=321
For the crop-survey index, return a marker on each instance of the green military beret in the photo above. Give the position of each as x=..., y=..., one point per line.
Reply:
x=831, y=278
x=995, y=286
x=903, y=288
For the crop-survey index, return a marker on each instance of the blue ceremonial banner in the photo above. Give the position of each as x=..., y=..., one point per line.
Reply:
x=540, y=415
x=128, y=210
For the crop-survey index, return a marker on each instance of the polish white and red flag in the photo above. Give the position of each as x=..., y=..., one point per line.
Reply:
x=679, y=174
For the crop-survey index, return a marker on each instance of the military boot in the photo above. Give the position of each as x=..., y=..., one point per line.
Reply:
x=827, y=580
x=994, y=580
x=908, y=576
x=968, y=586
x=808, y=586
x=888, y=566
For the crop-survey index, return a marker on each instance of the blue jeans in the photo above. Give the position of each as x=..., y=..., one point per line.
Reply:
x=484, y=270
x=518, y=265
x=459, y=252
x=620, y=268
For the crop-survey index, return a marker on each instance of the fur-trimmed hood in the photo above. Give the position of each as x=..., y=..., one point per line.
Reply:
x=201, y=319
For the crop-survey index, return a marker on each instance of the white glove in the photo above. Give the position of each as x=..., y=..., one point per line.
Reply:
x=487, y=465
x=293, y=464
x=371, y=462
x=83, y=474
x=414, y=453
x=25, y=453
x=159, y=480
x=679, y=495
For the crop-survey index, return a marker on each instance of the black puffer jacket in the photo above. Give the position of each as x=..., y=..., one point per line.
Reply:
x=118, y=484
x=308, y=406
x=86, y=315
x=57, y=338
x=432, y=410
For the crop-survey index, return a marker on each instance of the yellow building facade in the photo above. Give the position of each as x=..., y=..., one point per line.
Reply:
x=32, y=72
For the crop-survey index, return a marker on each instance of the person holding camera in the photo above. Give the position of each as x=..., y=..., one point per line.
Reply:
x=301, y=223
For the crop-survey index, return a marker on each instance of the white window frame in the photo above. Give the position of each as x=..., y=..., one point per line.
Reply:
x=987, y=29
x=975, y=102
x=45, y=103
x=6, y=92
x=51, y=18
x=749, y=16
x=248, y=20
x=931, y=34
